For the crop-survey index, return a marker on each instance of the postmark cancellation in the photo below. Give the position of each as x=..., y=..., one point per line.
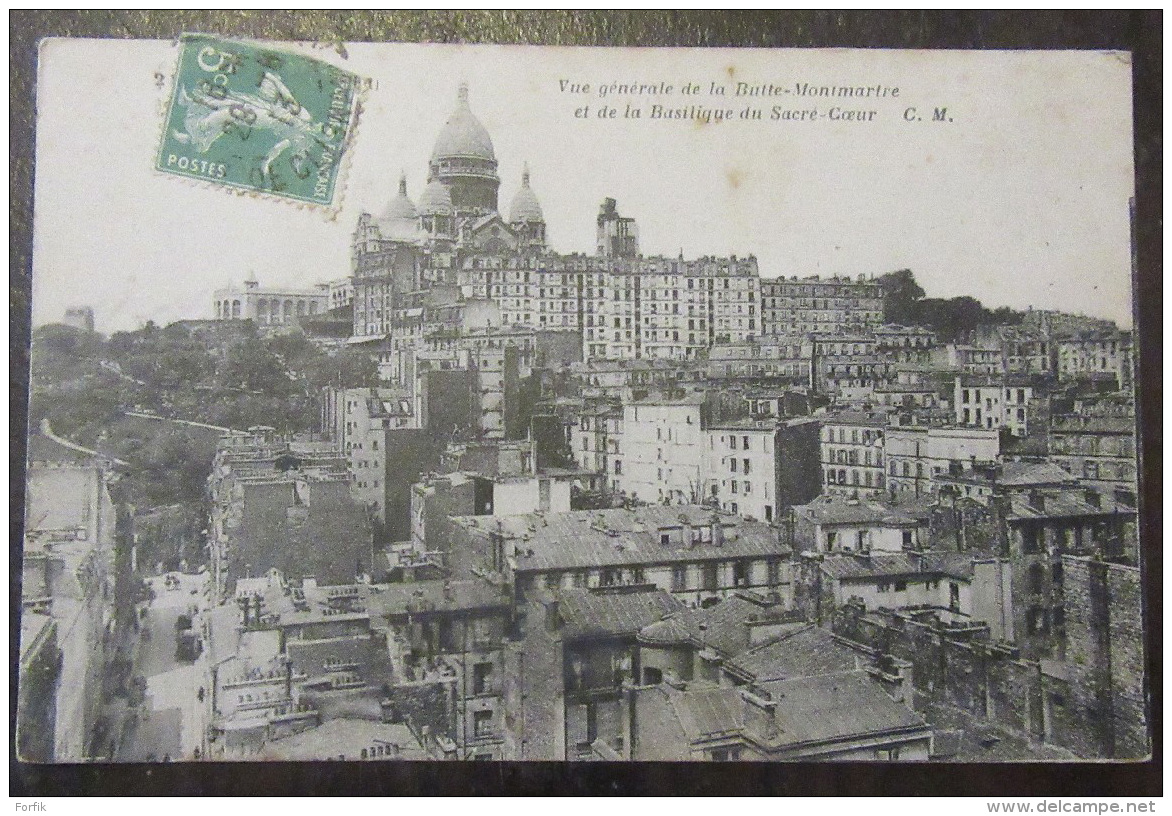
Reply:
x=247, y=116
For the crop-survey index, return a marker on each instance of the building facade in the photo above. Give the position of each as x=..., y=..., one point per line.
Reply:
x=269, y=306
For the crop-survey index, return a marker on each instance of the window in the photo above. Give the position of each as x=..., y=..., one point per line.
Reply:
x=1036, y=579
x=679, y=578
x=901, y=586
x=726, y=754
x=769, y=512
x=746, y=467
x=732, y=465
x=482, y=723
x=618, y=467
x=740, y=573
x=887, y=754
x=744, y=443
x=482, y=678
x=1030, y=540
x=710, y=572
x=1036, y=620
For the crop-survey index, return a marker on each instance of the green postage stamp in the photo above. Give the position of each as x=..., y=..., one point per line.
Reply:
x=253, y=118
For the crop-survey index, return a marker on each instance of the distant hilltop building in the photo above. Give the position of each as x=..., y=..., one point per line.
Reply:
x=422, y=267
x=269, y=306
x=81, y=317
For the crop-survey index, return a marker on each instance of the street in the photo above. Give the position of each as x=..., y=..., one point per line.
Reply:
x=170, y=722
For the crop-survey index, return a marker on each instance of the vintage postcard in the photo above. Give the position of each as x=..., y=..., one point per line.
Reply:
x=421, y=402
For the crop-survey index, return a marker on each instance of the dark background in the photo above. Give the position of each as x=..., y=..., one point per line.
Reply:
x=1140, y=32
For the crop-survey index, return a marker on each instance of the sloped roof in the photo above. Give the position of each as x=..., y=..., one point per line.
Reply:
x=808, y=652
x=1062, y=504
x=837, y=509
x=705, y=713
x=847, y=567
x=346, y=738
x=677, y=628
x=43, y=449
x=726, y=625
x=835, y=707
x=588, y=613
x=584, y=539
x=386, y=600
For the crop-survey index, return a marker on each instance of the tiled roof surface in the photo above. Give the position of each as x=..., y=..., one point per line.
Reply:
x=43, y=449
x=1061, y=504
x=588, y=613
x=847, y=567
x=709, y=712
x=726, y=624
x=386, y=600
x=345, y=737
x=807, y=652
x=836, y=509
x=677, y=628
x=1018, y=474
x=834, y=707
x=584, y=539
x=867, y=419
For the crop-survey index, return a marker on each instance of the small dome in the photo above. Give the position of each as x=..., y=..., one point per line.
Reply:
x=525, y=206
x=436, y=200
x=463, y=135
x=400, y=208
x=671, y=631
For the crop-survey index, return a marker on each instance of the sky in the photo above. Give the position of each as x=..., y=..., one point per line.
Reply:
x=1021, y=200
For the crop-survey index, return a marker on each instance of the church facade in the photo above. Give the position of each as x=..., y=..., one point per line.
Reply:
x=454, y=261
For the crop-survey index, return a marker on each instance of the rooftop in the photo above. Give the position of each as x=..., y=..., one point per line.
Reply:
x=1062, y=504
x=833, y=509
x=834, y=707
x=582, y=539
x=861, y=567
x=346, y=739
x=1013, y=474
x=591, y=613
x=870, y=419
x=805, y=652
x=391, y=600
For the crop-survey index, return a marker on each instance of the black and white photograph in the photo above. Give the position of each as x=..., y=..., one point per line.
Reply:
x=452, y=403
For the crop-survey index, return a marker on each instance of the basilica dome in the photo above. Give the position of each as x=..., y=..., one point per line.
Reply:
x=400, y=208
x=463, y=136
x=525, y=207
x=436, y=200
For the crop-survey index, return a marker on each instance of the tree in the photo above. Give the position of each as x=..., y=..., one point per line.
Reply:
x=901, y=297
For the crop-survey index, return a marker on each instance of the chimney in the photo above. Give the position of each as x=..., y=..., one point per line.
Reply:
x=760, y=711
x=717, y=531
